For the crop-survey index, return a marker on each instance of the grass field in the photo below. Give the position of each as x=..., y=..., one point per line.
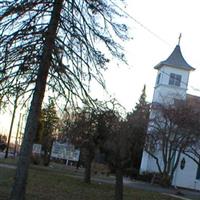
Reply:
x=51, y=184
x=11, y=161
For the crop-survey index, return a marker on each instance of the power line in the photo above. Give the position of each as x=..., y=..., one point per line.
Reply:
x=142, y=25
x=192, y=87
x=156, y=36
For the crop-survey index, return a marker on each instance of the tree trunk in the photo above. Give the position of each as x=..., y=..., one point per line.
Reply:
x=17, y=135
x=19, y=186
x=47, y=152
x=119, y=184
x=174, y=167
x=87, y=173
x=165, y=180
x=87, y=157
x=11, y=125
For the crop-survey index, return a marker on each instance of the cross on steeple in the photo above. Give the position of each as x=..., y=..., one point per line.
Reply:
x=179, y=39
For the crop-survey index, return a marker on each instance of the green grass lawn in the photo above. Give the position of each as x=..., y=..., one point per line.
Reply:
x=47, y=184
x=11, y=161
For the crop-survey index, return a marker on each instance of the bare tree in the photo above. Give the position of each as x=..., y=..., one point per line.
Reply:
x=193, y=151
x=172, y=130
x=83, y=134
x=104, y=129
x=116, y=136
x=53, y=43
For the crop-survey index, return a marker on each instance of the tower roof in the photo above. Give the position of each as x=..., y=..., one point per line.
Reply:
x=175, y=60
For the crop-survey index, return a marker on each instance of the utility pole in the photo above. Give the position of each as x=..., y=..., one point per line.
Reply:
x=11, y=124
x=18, y=128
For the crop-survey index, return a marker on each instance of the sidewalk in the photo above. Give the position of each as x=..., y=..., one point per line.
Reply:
x=182, y=193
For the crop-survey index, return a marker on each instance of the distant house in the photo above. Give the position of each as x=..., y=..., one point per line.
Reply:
x=171, y=83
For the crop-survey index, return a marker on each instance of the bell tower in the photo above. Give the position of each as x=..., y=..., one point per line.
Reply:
x=171, y=83
x=172, y=77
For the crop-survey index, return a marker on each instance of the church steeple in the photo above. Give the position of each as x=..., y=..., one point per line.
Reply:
x=172, y=78
x=176, y=60
x=179, y=39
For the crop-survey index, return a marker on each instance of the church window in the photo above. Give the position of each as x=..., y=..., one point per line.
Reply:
x=182, y=166
x=175, y=79
x=158, y=79
x=198, y=172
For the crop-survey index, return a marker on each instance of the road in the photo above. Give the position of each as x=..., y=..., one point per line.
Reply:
x=2, y=154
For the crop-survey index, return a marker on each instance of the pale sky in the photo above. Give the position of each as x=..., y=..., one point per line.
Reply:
x=167, y=19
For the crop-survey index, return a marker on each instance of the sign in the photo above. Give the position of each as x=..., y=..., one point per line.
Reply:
x=73, y=155
x=37, y=149
x=65, y=151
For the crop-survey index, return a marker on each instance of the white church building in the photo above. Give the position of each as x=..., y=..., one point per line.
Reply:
x=172, y=81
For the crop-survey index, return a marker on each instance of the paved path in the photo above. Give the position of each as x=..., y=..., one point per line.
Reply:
x=2, y=154
x=179, y=193
x=182, y=193
x=176, y=196
x=7, y=166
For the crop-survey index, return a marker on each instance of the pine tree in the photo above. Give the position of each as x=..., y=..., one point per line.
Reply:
x=49, y=120
x=138, y=121
x=55, y=44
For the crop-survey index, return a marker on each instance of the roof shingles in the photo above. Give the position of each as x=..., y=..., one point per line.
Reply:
x=175, y=60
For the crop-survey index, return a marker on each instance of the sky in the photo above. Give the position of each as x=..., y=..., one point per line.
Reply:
x=155, y=27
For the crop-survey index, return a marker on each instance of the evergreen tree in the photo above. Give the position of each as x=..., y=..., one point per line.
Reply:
x=143, y=106
x=49, y=121
x=54, y=43
x=46, y=132
x=138, y=122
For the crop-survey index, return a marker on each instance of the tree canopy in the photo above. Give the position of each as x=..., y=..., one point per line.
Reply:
x=138, y=121
x=54, y=43
x=76, y=54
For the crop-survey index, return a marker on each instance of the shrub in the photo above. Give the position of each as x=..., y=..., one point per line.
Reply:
x=100, y=168
x=35, y=159
x=131, y=172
